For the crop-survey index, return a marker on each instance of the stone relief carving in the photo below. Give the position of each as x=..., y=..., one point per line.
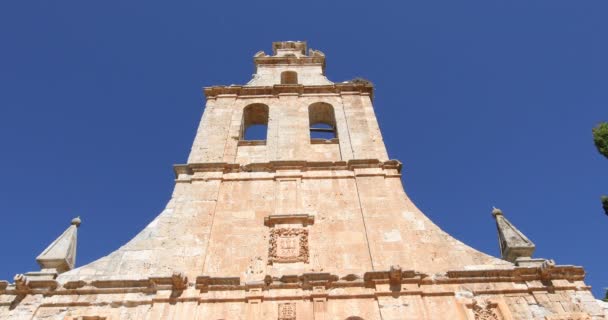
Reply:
x=486, y=312
x=287, y=311
x=288, y=245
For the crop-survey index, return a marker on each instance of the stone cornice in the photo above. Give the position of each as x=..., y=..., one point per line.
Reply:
x=288, y=60
x=290, y=53
x=337, y=88
x=528, y=279
x=275, y=166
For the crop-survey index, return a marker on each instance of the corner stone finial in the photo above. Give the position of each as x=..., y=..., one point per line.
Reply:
x=513, y=243
x=60, y=255
x=76, y=221
x=496, y=212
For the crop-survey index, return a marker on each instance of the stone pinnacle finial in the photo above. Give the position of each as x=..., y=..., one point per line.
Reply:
x=496, y=212
x=60, y=255
x=76, y=221
x=513, y=243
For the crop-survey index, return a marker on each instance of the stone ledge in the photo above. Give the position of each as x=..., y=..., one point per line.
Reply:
x=394, y=274
x=545, y=272
x=528, y=280
x=273, y=60
x=206, y=283
x=244, y=294
x=338, y=88
x=43, y=284
x=274, y=166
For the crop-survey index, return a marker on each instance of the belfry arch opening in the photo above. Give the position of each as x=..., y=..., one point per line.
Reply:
x=322, y=122
x=254, y=126
x=289, y=77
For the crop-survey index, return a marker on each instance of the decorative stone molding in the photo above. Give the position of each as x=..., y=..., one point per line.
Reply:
x=351, y=277
x=274, y=166
x=179, y=281
x=290, y=53
x=546, y=267
x=205, y=283
x=275, y=90
x=314, y=287
x=487, y=312
x=290, y=60
x=303, y=219
x=295, y=46
x=566, y=272
x=393, y=275
x=568, y=278
x=42, y=284
x=21, y=282
x=135, y=283
x=317, y=279
x=486, y=309
x=288, y=245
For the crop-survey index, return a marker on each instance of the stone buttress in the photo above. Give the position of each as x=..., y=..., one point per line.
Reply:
x=289, y=208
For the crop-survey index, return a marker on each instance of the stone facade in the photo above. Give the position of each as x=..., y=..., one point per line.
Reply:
x=293, y=226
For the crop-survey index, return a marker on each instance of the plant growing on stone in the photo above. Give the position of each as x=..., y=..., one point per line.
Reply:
x=600, y=138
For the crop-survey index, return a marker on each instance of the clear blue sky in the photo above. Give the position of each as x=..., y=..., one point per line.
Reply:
x=487, y=103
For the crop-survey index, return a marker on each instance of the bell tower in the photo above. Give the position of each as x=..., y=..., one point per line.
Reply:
x=289, y=208
x=304, y=116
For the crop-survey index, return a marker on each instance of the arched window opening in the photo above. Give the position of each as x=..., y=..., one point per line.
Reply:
x=289, y=77
x=322, y=122
x=254, y=126
x=354, y=318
